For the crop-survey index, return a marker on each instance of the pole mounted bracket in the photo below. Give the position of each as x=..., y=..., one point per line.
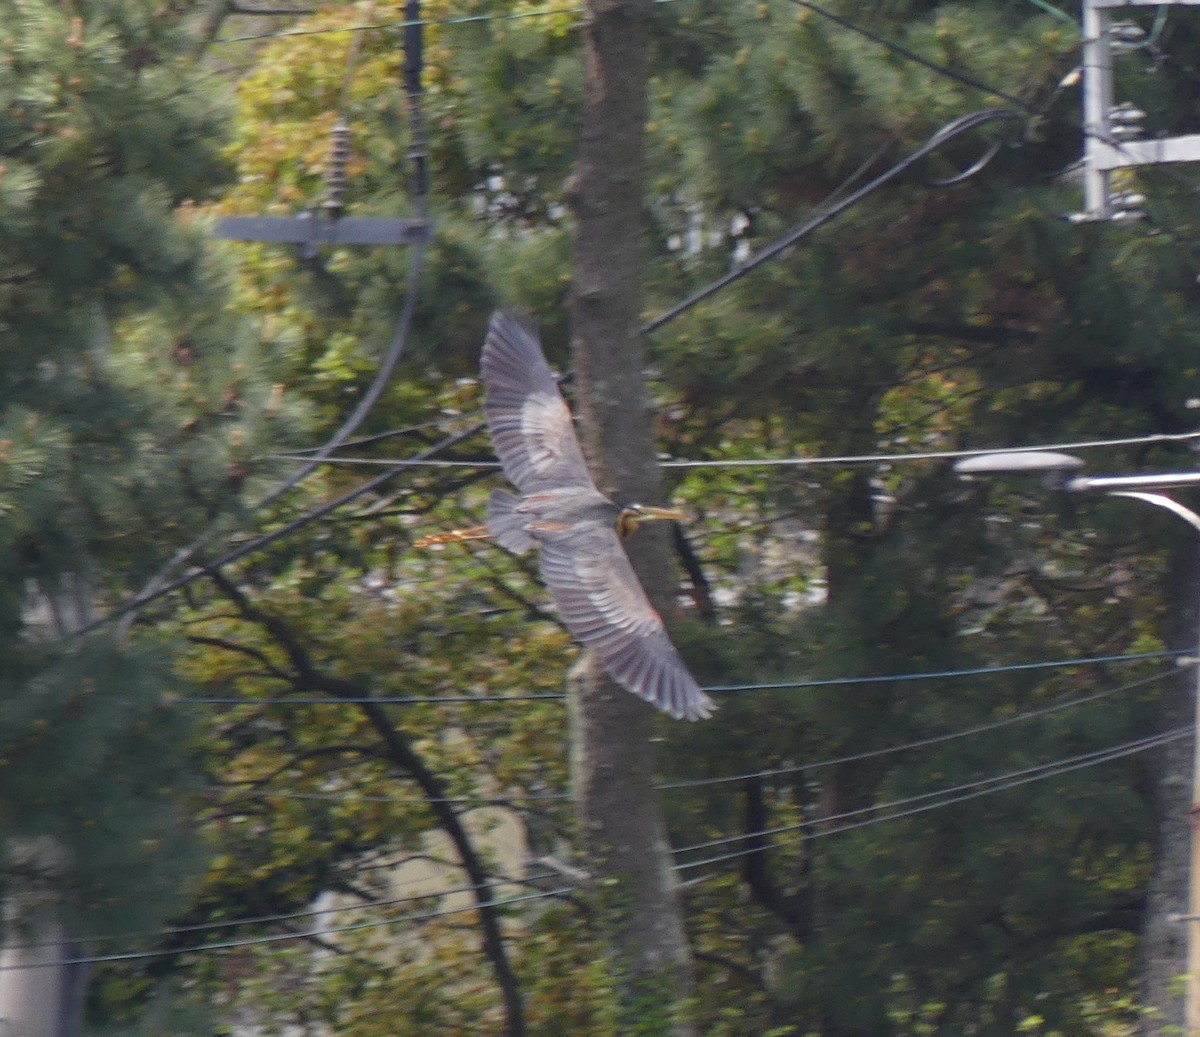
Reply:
x=1112, y=130
x=312, y=230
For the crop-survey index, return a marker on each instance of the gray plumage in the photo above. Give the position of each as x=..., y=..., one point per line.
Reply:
x=573, y=524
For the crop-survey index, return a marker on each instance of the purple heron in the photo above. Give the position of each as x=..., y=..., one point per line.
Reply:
x=576, y=528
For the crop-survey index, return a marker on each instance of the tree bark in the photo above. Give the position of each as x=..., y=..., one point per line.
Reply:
x=612, y=765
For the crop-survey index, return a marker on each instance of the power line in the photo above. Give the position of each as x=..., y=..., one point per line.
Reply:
x=977, y=787
x=351, y=797
x=254, y=941
x=921, y=797
x=466, y=19
x=959, y=77
x=348, y=796
x=956, y=794
x=914, y=804
x=826, y=682
x=921, y=743
x=383, y=700
x=1050, y=9
x=400, y=334
x=951, y=796
x=949, y=132
x=376, y=437
x=929, y=455
x=976, y=671
x=265, y=540
x=788, y=462
x=388, y=462
x=178, y=930
x=161, y=587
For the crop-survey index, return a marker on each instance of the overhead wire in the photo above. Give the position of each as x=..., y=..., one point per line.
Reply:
x=910, y=805
x=937, y=799
x=349, y=796
x=974, y=788
x=405, y=23
x=161, y=587
x=257, y=941
x=826, y=682
x=271, y=919
x=799, y=461
x=921, y=743
x=396, y=347
x=951, y=131
x=256, y=544
x=962, y=78
x=1055, y=12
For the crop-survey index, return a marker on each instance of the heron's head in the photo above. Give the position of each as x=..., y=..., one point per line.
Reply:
x=633, y=515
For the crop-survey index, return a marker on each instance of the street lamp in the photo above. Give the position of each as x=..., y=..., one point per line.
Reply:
x=1062, y=472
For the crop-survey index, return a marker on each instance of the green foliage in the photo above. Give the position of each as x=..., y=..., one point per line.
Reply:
x=132, y=414
x=923, y=320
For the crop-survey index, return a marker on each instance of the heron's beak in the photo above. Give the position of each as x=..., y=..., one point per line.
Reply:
x=665, y=514
x=633, y=516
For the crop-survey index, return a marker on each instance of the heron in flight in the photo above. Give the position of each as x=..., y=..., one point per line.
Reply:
x=576, y=528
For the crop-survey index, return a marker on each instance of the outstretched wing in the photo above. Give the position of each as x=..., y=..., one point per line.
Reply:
x=530, y=425
x=603, y=604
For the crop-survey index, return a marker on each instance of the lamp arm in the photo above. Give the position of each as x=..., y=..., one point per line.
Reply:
x=1164, y=502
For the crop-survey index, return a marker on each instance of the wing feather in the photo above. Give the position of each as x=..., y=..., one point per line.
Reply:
x=530, y=424
x=603, y=604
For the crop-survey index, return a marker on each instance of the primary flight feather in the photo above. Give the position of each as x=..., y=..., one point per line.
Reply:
x=575, y=527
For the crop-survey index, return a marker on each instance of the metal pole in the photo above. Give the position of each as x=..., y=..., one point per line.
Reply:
x=1191, y=993
x=1097, y=100
x=1059, y=468
x=1192, y=989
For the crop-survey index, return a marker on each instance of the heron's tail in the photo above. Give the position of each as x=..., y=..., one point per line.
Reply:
x=505, y=525
x=453, y=536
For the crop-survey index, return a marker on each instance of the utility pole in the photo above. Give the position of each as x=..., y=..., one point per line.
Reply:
x=41, y=985
x=1112, y=131
x=326, y=224
x=1061, y=472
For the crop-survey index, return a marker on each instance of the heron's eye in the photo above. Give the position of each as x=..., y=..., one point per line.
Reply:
x=627, y=522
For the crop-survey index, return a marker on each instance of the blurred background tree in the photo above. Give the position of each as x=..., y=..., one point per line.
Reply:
x=927, y=318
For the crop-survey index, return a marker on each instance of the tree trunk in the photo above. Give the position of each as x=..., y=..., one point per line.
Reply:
x=1164, y=942
x=613, y=770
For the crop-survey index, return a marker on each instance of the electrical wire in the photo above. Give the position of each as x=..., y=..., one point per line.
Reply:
x=796, y=462
x=770, y=772
x=827, y=682
x=426, y=458
x=922, y=743
x=265, y=540
x=350, y=797
x=383, y=374
x=466, y=19
x=951, y=131
x=160, y=586
x=912, y=805
x=1041, y=769
x=959, y=77
x=975, y=671
x=1050, y=9
x=949, y=796
x=295, y=452
x=179, y=930
x=255, y=941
